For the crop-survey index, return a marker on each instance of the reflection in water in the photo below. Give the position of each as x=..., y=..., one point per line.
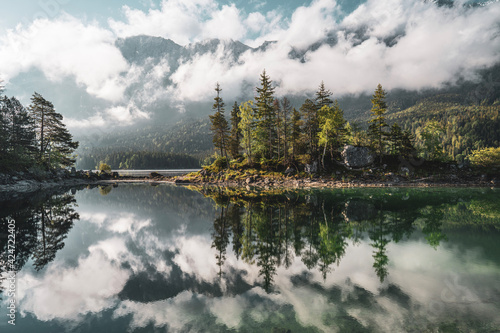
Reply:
x=162, y=258
x=42, y=224
x=316, y=227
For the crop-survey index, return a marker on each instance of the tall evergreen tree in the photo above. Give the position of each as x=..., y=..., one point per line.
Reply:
x=247, y=126
x=286, y=113
x=235, y=138
x=310, y=117
x=323, y=97
x=296, y=132
x=21, y=131
x=278, y=126
x=377, y=122
x=266, y=133
x=220, y=127
x=55, y=143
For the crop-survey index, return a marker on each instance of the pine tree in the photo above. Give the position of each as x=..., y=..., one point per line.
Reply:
x=220, y=127
x=21, y=131
x=296, y=131
x=247, y=125
x=278, y=126
x=287, y=110
x=235, y=138
x=377, y=121
x=311, y=127
x=265, y=117
x=323, y=97
x=55, y=143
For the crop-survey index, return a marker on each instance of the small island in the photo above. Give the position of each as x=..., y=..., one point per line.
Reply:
x=269, y=143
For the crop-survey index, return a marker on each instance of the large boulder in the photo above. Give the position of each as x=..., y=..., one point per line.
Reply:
x=357, y=157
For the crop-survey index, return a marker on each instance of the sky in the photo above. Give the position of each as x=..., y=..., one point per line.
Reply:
x=66, y=50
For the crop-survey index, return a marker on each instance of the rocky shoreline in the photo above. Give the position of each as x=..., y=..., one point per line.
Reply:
x=26, y=183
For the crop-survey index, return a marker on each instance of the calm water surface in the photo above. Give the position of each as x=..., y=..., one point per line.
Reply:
x=139, y=258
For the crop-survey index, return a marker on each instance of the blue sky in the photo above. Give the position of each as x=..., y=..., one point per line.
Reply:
x=66, y=49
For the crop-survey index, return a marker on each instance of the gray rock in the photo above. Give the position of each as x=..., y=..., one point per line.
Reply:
x=289, y=171
x=357, y=157
x=312, y=168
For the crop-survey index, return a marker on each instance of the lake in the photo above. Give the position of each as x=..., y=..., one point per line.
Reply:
x=142, y=258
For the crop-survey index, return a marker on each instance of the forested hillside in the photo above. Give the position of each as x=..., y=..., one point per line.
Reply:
x=461, y=128
x=182, y=145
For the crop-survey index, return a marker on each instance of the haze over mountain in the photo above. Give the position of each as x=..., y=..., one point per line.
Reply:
x=160, y=63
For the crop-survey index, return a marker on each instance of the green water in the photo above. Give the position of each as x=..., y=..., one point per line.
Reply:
x=140, y=258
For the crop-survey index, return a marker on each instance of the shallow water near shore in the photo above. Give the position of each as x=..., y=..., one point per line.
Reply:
x=145, y=258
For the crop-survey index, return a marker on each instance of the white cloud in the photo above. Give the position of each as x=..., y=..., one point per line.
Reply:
x=225, y=24
x=98, y=278
x=63, y=48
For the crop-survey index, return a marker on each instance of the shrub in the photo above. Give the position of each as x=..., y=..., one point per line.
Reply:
x=103, y=167
x=487, y=157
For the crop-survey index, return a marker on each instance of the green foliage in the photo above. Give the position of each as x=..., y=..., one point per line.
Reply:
x=103, y=167
x=55, y=143
x=220, y=127
x=309, y=114
x=487, y=157
x=332, y=132
x=235, y=137
x=430, y=138
x=247, y=125
x=464, y=127
x=117, y=159
x=221, y=163
x=266, y=118
x=376, y=129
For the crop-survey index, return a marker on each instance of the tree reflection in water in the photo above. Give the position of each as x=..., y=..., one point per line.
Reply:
x=42, y=223
x=270, y=229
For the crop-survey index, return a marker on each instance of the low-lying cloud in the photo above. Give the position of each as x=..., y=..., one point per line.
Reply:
x=399, y=43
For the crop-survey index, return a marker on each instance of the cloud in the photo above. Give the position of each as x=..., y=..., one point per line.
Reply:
x=399, y=43
x=66, y=47
x=405, y=44
x=52, y=295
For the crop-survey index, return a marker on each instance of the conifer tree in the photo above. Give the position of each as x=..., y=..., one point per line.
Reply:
x=266, y=116
x=323, y=96
x=247, y=126
x=55, y=143
x=286, y=112
x=296, y=131
x=309, y=115
x=235, y=138
x=19, y=130
x=377, y=122
x=220, y=127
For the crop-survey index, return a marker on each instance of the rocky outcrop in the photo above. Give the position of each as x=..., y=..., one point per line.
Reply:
x=357, y=157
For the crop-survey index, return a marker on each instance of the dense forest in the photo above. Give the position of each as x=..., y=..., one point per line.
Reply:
x=136, y=160
x=269, y=130
x=33, y=138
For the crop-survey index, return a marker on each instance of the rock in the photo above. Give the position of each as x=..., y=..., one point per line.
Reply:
x=357, y=157
x=154, y=175
x=15, y=178
x=289, y=171
x=312, y=168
